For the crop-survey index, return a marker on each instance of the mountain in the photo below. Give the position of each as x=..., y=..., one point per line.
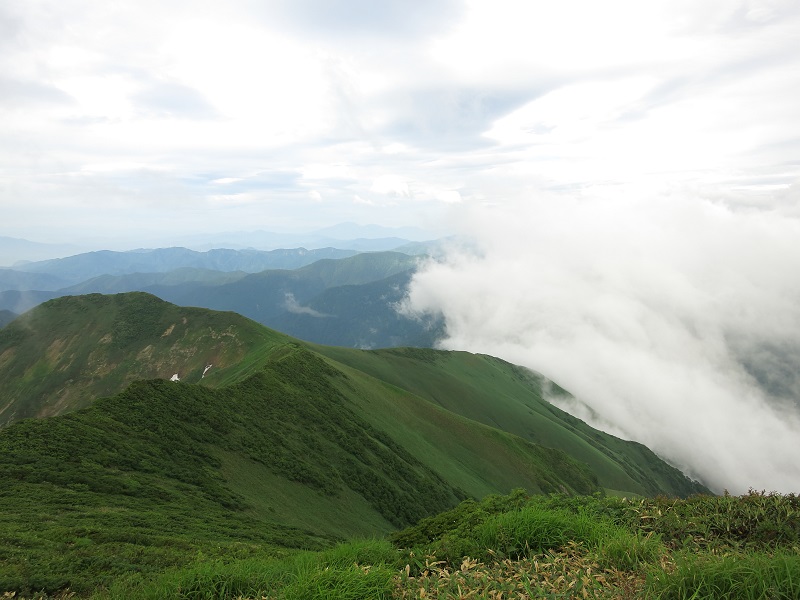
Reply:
x=360, y=316
x=351, y=236
x=81, y=267
x=18, y=280
x=19, y=302
x=13, y=250
x=281, y=445
x=349, y=301
x=6, y=316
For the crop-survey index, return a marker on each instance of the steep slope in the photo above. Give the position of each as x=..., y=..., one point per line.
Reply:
x=491, y=391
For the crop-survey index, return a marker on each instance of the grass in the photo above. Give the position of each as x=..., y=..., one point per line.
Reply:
x=519, y=546
x=500, y=395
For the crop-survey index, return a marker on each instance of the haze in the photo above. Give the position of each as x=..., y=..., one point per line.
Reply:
x=629, y=172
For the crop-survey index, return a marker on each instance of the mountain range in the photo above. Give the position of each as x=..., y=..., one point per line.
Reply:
x=346, y=301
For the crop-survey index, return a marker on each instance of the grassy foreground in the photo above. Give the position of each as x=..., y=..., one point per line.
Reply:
x=521, y=546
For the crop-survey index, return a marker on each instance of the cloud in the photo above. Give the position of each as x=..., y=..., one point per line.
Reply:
x=294, y=307
x=20, y=93
x=452, y=116
x=171, y=99
x=675, y=320
x=394, y=18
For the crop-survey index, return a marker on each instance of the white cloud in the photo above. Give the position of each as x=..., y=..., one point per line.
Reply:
x=390, y=185
x=655, y=312
x=293, y=306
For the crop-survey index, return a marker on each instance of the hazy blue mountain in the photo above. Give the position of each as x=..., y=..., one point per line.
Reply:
x=346, y=302
x=20, y=302
x=13, y=250
x=348, y=231
x=268, y=295
x=359, y=316
x=11, y=279
x=365, y=238
x=6, y=316
x=114, y=284
x=81, y=267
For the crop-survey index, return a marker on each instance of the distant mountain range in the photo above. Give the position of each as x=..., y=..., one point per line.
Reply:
x=344, y=236
x=348, y=301
x=81, y=267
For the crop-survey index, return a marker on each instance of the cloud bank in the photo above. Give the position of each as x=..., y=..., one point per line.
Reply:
x=673, y=320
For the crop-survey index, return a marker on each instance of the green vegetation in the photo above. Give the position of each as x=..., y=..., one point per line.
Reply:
x=514, y=546
x=515, y=400
x=65, y=353
x=242, y=482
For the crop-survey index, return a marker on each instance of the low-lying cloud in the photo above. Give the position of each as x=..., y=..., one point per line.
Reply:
x=293, y=306
x=675, y=321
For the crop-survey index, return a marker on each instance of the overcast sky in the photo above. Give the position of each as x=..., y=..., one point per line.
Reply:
x=202, y=116
x=630, y=171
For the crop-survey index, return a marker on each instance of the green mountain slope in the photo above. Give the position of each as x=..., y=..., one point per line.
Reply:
x=70, y=350
x=501, y=395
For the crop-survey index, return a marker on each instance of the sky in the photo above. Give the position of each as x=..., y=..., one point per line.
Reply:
x=629, y=171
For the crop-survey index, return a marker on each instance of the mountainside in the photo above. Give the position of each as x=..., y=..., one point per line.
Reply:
x=498, y=394
x=281, y=444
